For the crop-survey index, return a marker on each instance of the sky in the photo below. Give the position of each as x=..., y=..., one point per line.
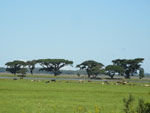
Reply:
x=77, y=30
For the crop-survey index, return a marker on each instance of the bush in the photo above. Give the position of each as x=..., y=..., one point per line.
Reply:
x=142, y=107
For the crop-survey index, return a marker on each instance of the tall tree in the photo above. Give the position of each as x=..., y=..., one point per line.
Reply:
x=31, y=65
x=53, y=65
x=92, y=67
x=15, y=66
x=112, y=70
x=131, y=66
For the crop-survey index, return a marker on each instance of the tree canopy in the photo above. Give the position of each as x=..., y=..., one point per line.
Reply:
x=92, y=67
x=53, y=65
x=141, y=73
x=14, y=66
x=31, y=65
x=131, y=66
x=112, y=70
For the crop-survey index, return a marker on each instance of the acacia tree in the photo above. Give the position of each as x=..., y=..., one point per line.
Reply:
x=130, y=66
x=112, y=70
x=15, y=66
x=31, y=65
x=92, y=67
x=53, y=65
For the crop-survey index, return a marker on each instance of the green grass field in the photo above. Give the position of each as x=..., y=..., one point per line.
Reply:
x=24, y=96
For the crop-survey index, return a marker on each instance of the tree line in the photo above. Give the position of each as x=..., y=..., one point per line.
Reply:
x=122, y=67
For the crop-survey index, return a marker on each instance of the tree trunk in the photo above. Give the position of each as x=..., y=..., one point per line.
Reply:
x=127, y=76
x=14, y=73
x=112, y=76
x=89, y=75
x=31, y=71
x=55, y=73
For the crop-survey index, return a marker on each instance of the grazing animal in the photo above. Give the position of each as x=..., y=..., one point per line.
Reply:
x=103, y=83
x=146, y=85
x=14, y=78
x=89, y=81
x=106, y=82
x=80, y=81
x=67, y=81
x=131, y=84
x=116, y=84
x=21, y=77
x=124, y=83
x=47, y=81
x=53, y=80
x=119, y=82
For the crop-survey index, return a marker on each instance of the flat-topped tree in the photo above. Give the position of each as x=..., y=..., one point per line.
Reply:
x=92, y=67
x=53, y=65
x=131, y=66
x=31, y=65
x=112, y=70
x=15, y=66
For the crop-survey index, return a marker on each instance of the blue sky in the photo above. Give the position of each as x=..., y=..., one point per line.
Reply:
x=78, y=30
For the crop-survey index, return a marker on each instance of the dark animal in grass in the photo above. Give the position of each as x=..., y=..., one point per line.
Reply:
x=53, y=80
x=14, y=78
x=47, y=81
x=21, y=77
x=131, y=84
x=106, y=82
x=119, y=82
x=68, y=81
x=89, y=81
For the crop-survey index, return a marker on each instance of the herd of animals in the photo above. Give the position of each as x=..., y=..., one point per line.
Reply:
x=83, y=81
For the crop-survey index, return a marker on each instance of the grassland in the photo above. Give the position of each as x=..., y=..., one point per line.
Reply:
x=24, y=96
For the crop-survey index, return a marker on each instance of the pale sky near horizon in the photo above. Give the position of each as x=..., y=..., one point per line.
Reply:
x=78, y=30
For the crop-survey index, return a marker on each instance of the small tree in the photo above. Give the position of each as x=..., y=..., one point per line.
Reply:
x=22, y=71
x=53, y=65
x=78, y=74
x=14, y=66
x=112, y=70
x=92, y=67
x=141, y=73
x=31, y=65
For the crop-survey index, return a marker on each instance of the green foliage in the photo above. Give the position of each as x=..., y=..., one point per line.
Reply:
x=111, y=70
x=142, y=107
x=141, y=73
x=92, y=67
x=130, y=66
x=31, y=65
x=15, y=66
x=53, y=65
x=78, y=74
x=128, y=103
x=22, y=71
